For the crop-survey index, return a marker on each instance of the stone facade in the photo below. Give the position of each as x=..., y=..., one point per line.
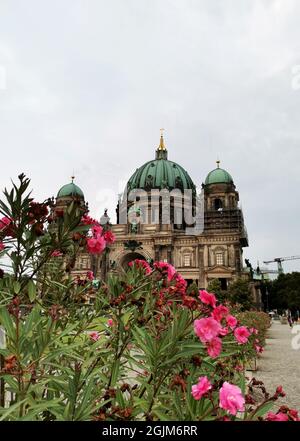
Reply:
x=216, y=252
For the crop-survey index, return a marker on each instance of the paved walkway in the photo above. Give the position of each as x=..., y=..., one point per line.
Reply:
x=280, y=364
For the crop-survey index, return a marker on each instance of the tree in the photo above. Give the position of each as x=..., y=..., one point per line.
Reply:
x=239, y=293
x=284, y=292
x=215, y=287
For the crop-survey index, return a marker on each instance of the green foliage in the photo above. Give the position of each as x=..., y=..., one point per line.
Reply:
x=239, y=293
x=284, y=292
x=215, y=287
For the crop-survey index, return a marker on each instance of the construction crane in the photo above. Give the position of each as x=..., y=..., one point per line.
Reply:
x=279, y=261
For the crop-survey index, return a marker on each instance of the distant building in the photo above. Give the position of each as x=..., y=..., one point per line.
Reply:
x=155, y=230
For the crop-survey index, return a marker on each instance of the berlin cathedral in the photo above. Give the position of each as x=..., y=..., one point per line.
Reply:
x=213, y=251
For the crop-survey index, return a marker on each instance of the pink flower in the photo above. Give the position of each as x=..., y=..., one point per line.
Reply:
x=97, y=230
x=207, y=298
x=223, y=332
x=206, y=329
x=56, y=253
x=181, y=284
x=294, y=414
x=2, y=246
x=280, y=416
x=90, y=275
x=220, y=312
x=201, y=388
x=253, y=331
x=139, y=263
x=259, y=349
x=109, y=237
x=94, y=335
x=96, y=245
x=231, y=321
x=166, y=268
x=110, y=322
x=214, y=347
x=87, y=220
x=231, y=398
x=241, y=334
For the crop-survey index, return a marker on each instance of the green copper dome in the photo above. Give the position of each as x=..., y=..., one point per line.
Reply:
x=218, y=176
x=160, y=173
x=70, y=189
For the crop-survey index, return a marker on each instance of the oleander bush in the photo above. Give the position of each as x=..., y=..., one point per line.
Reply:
x=137, y=347
x=256, y=319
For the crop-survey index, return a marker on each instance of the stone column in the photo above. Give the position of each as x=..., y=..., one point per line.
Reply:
x=170, y=254
x=157, y=252
x=201, y=266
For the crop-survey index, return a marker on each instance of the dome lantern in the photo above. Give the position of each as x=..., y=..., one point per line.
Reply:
x=218, y=176
x=160, y=173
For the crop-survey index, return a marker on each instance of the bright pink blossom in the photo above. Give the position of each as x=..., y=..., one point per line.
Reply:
x=206, y=329
x=56, y=253
x=223, y=332
x=214, y=347
x=231, y=398
x=94, y=335
x=231, y=321
x=220, y=312
x=109, y=237
x=139, y=263
x=241, y=334
x=110, y=322
x=97, y=230
x=96, y=245
x=207, y=298
x=253, y=331
x=166, y=268
x=280, y=416
x=201, y=388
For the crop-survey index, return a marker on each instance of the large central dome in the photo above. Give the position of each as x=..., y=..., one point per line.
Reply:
x=160, y=173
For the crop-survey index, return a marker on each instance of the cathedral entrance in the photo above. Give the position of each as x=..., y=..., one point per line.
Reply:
x=129, y=258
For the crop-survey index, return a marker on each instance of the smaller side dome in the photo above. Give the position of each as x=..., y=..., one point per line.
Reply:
x=70, y=189
x=218, y=176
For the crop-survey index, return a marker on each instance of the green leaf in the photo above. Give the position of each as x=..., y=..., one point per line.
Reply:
x=7, y=323
x=31, y=290
x=17, y=287
x=263, y=410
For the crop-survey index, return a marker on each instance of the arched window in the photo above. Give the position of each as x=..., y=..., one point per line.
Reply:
x=218, y=204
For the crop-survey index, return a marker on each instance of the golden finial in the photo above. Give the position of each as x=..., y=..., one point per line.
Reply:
x=218, y=163
x=161, y=143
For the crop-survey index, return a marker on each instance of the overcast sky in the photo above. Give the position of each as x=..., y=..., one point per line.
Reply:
x=85, y=87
